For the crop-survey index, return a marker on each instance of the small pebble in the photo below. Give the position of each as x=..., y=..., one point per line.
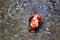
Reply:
x=16, y=35
x=17, y=2
x=47, y=29
x=17, y=8
x=24, y=4
x=1, y=21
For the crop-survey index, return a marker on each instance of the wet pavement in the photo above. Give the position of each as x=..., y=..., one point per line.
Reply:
x=14, y=16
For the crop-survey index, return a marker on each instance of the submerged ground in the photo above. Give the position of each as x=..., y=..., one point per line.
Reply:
x=14, y=16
